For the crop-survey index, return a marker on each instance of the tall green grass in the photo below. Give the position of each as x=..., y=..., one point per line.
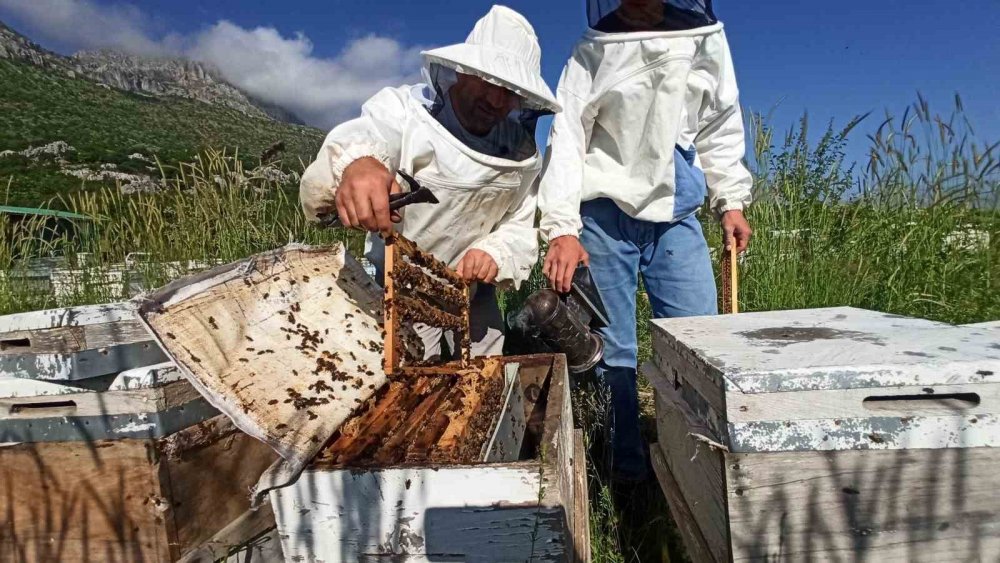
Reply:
x=913, y=231
x=213, y=211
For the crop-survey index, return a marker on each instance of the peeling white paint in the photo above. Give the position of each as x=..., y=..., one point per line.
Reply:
x=135, y=427
x=834, y=348
x=874, y=433
x=477, y=514
x=802, y=380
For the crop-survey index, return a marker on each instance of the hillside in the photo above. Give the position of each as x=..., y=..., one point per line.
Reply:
x=62, y=131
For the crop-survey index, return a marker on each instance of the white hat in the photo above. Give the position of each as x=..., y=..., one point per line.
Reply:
x=503, y=50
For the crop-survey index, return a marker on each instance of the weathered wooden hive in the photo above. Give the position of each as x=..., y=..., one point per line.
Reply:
x=829, y=434
x=289, y=344
x=106, y=452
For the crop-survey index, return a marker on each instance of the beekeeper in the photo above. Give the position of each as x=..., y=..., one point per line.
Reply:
x=651, y=124
x=468, y=134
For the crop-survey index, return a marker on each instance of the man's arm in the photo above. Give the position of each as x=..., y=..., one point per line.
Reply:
x=509, y=252
x=562, y=178
x=355, y=170
x=721, y=145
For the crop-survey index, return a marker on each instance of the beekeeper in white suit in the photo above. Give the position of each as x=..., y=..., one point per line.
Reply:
x=468, y=134
x=651, y=126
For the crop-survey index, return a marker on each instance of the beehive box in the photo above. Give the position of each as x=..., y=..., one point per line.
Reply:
x=406, y=488
x=828, y=434
x=288, y=344
x=105, y=457
x=75, y=343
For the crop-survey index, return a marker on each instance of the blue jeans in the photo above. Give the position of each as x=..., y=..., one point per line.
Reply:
x=677, y=272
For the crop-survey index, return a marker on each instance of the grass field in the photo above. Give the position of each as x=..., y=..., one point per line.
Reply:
x=912, y=232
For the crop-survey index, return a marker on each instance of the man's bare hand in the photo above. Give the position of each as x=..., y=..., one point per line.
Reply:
x=735, y=226
x=564, y=255
x=363, y=196
x=477, y=265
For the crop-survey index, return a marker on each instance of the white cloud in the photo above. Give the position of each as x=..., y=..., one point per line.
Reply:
x=261, y=61
x=284, y=71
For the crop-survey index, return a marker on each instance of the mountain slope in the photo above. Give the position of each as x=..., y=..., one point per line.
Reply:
x=171, y=77
x=112, y=129
x=156, y=76
x=105, y=119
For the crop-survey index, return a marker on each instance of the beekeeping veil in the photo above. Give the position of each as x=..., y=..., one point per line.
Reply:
x=624, y=16
x=502, y=50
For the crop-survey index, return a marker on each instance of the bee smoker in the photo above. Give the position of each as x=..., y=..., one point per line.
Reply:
x=549, y=322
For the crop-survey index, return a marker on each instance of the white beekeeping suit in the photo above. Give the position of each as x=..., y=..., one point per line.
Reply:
x=647, y=75
x=485, y=184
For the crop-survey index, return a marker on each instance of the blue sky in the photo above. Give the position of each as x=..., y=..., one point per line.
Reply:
x=833, y=59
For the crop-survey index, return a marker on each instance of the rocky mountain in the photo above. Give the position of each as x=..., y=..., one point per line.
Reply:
x=143, y=75
x=15, y=46
x=101, y=121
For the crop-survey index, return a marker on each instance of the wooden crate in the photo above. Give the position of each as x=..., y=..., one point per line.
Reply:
x=75, y=343
x=127, y=500
x=99, y=462
x=532, y=507
x=829, y=434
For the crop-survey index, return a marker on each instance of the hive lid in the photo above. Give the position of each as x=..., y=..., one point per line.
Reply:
x=286, y=343
x=833, y=348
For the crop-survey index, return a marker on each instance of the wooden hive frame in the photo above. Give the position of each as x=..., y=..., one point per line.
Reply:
x=421, y=288
x=730, y=280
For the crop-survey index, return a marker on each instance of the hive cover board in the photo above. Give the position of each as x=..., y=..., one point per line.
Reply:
x=834, y=348
x=834, y=379
x=287, y=343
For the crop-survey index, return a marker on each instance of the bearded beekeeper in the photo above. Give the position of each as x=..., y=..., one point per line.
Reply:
x=651, y=125
x=468, y=134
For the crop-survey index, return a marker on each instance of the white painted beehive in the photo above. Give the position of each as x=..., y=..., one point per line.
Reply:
x=829, y=434
x=514, y=509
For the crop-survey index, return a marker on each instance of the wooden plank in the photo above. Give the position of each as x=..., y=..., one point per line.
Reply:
x=391, y=345
x=696, y=468
x=76, y=501
x=464, y=338
x=835, y=348
x=407, y=434
x=676, y=364
x=210, y=469
x=67, y=317
x=581, y=501
x=915, y=401
x=243, y=532
x=475, y=394
x=92, y=403
x=69, y=339
x=940, y=416
x=865, y=505
x=477, y=514
x=730, y=281
x=83, y=364
x=694, y=542
x=557, y=448
x=265, y=548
